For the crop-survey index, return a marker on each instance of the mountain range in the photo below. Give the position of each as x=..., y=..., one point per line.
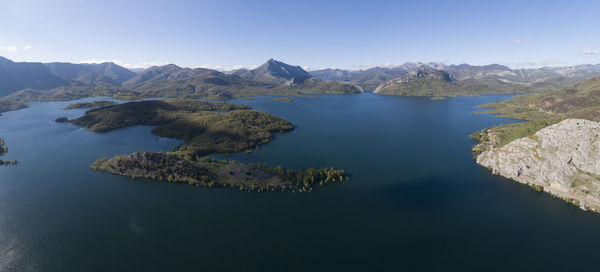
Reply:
x=535, y=78
x=23, y=81
x=438, y=83
x=64, y=81
x=107, y=72
x=15, y=76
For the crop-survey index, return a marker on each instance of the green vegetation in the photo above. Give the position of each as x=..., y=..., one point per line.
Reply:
x=206, y=127
x=504, y=134
x=537, y=187
x=88, y=105
x=581, y=100
x=572, y=201
x=207, y=171
x=3, y=151
x=284, y=99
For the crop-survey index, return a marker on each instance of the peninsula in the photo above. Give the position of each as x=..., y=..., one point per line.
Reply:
x=556, y=151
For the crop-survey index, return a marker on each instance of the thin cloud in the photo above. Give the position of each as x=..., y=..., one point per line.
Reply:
x=380, y=65
x=225, y=68
x=14, y=48
x=9, y=48
x=139, y=65
x=237, y=67
x=95, y=61
x=143, y=65
x=589, y=52
x=535, y=64
x=212, y=67
x=522, y=40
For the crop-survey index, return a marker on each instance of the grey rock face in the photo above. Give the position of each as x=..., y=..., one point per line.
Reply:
x=416, y=76
x=563, y=158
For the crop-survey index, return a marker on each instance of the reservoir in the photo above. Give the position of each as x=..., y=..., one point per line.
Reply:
x=416, y=199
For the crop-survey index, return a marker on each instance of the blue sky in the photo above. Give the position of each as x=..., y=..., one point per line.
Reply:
x=315, y=34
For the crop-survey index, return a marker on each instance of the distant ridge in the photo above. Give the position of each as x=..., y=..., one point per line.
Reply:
x=535, y=78
x=106, y=72
x=432, y=82
x=15, y=76
x=167, y=72
x=65, y=81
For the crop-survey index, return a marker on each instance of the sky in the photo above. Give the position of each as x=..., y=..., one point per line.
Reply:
x=313, y=34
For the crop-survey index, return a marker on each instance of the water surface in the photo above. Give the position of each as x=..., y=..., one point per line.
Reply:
x=416, y=200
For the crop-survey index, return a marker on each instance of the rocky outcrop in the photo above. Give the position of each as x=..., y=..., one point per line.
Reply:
x=562, y=159
x=421, y=82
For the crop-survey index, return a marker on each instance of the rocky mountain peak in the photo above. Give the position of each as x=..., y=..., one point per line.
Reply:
x=275, y=72
x=426, y=72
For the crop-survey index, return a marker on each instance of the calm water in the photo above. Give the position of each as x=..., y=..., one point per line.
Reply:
x=415, y=201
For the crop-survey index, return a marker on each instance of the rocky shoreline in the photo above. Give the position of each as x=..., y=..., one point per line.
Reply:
x=562, y=159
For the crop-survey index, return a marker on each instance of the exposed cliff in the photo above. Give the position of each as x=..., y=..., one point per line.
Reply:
x=562, y=159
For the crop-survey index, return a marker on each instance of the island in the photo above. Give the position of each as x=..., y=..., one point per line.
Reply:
x=205, y=128
x=89, y=105
x=3, y=151
x=284, y=99
x=61, y=120
x=556, y=150
x=207, y=171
